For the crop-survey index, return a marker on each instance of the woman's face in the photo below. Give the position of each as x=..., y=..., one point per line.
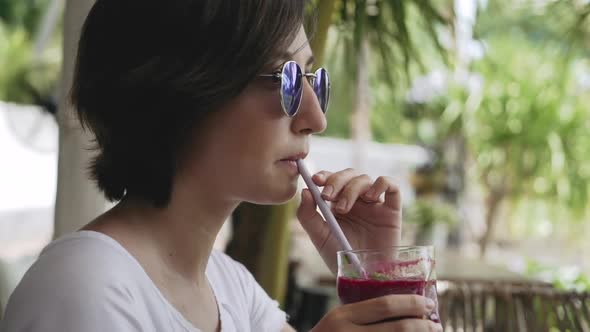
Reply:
x=244, y=151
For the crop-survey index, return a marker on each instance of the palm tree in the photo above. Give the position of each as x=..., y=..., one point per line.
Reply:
x=375, y=36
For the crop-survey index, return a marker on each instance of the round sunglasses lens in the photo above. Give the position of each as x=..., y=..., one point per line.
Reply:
x=321, y=87
x=291, y=88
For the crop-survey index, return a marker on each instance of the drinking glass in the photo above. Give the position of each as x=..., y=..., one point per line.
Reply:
x=367, y=274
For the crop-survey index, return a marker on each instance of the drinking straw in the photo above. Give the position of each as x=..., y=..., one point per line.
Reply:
x=329, y=216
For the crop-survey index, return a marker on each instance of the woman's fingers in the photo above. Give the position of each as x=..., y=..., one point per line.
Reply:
x=321, y=177
x=346, y=186
x=335, y=182
x=356, y=187
x=386, y=307
x=386, y=185
x=312, y=222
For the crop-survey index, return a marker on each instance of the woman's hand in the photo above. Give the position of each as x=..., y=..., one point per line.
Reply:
x=387, y=313
x=367, y=221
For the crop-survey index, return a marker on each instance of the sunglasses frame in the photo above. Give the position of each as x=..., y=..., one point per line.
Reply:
x=279, y=76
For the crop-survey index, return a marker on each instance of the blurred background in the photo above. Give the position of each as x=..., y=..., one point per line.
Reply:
x=479, y=109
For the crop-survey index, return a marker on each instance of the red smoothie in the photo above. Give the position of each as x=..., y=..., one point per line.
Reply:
x=355, y=290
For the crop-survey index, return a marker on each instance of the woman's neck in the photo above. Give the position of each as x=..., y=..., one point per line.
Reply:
x=181, y=235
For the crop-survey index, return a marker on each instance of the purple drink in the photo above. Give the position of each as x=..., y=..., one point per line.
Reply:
x=356, y=290
x=389, y=271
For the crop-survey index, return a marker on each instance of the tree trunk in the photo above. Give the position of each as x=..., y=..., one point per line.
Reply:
x=325, y=12
x=493, y=204
x=77, y=200
x=274, y=260
x=454, y=154
x=250, y=223
x=361, y=120
x=261, y=243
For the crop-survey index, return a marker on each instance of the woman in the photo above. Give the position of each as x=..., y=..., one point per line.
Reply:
x=196, y=107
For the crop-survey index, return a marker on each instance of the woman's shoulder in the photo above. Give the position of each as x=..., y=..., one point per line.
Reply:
x=84, y=254
x=86, y=273
x=78, y=264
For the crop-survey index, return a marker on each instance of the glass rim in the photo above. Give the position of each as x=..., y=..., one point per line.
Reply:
x=375, y=251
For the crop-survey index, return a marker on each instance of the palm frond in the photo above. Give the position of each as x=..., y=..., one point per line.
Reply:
x=385, y=24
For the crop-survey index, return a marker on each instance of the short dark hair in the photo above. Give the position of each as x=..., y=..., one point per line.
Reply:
x=147, y=71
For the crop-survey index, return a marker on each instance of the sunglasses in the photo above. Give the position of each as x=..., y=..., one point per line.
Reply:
x=291, y=78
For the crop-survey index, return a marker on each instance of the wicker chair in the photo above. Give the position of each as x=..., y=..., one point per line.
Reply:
x=475, y=305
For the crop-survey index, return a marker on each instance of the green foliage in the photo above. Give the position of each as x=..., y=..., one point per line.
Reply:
x=562, y=22
x=24, y=76
x=25, y=14
x=386, y=25
x=528, y=129
x=392, y=29
x=427, y=212
x=562, y=278
x=15, y=55
x=530, y=134
x=536, y=132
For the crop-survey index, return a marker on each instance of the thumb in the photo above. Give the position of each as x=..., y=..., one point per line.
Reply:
x=312, y=221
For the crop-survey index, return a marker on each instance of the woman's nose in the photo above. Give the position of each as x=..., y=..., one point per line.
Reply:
x=310, y=119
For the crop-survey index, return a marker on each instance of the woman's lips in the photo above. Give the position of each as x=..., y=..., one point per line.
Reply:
x=290, y=162
x=290, y=165
x=296, y=156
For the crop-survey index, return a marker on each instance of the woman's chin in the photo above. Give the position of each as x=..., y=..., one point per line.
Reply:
x=284, y=196
x=276, y=196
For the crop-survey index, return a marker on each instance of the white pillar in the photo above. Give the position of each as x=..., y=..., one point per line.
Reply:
x=78, y=200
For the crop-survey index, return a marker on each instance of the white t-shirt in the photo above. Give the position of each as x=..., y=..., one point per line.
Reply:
x=87, y=282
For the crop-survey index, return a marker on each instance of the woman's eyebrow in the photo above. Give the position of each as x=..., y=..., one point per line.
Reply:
x=286, y=56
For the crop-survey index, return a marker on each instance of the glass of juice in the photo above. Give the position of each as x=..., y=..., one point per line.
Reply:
x=395, y=270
